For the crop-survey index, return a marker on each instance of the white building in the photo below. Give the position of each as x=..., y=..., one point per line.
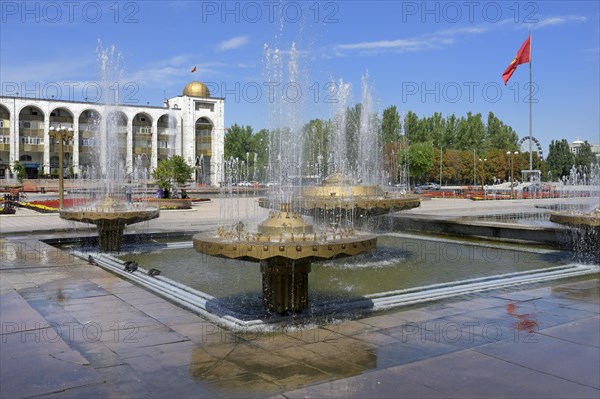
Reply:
x=576, y=145
x=190, y=125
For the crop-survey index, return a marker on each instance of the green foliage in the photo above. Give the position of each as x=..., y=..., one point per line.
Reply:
x=499, y=135
x=471, y=133
x=413, y=129
x=420, y=158
x=20, y=171
x=390, y=125
x=238, y=142
x=453, y=138
x=241, y=140
x=352, y=130
x=560, y=159
x=464, y=133
x=172, y=171
x=585, y=157
x=316, y=147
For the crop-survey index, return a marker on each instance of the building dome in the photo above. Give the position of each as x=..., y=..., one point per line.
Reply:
x=196, y=89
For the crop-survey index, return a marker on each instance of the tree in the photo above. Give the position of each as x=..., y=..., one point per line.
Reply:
x=412, y=127
x=20, y=171
x=352, y=133
x=585, y=157
x=451, y=128
x=499, y=135
x=316, y=147
x=560, y=159
x=420, y=158
x=260, y=145
x=471, y=133
x=172, y=172
x=238, y=142
x=390, y=126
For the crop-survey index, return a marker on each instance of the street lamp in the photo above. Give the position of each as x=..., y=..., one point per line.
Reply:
x=61, y=134
x=441, y=166
x=511, y=161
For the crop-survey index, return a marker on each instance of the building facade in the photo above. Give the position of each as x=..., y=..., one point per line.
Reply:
x=190, y=125
x=576, y=145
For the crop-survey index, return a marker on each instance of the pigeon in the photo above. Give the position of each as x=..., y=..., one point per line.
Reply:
x=153, y=272
x=131, y=266
x=91, y=260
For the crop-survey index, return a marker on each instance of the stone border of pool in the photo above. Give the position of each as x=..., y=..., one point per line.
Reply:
x=197, y=301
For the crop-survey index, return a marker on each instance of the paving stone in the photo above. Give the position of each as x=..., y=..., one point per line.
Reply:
x=577, y=363
x=584, y=332
x=475, y=375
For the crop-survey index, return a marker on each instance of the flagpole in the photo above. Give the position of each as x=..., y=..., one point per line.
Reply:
x=530, y=111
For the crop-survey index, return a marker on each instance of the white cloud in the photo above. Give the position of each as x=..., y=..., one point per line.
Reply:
x=232, y=43
x=443, y=38
x=434, y=40
x=558, y=20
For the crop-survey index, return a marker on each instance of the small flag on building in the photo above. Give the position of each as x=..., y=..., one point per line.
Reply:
x=523, y=56
x=194, y=69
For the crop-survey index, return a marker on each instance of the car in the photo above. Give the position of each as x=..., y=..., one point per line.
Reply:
x=429, y=186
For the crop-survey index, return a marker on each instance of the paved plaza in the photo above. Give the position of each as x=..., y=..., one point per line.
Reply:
x=74, y=330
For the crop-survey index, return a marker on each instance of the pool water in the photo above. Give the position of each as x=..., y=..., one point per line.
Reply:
x=399, y=262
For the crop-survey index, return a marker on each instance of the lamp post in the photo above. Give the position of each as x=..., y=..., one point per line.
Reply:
x=511, y=161
x=482, y=172
x=61, y=134
x=441, y=166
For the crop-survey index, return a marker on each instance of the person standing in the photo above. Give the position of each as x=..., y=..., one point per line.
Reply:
x=128, y=192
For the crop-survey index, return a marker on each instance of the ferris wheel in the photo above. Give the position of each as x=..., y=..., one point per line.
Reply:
x=524, y=144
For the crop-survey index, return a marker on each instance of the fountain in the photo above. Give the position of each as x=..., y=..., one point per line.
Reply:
x=338, y=198
x=354, y=192
x=111, y=213
x=585, y=228
x=338, y=192
x=285, y=245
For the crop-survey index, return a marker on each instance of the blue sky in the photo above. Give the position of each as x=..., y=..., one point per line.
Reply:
x=420, y=56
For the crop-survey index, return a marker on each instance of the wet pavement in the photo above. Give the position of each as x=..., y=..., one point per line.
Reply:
x=73, y=330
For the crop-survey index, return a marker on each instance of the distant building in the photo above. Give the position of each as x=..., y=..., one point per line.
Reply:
x=190, y=125
x=576, y=145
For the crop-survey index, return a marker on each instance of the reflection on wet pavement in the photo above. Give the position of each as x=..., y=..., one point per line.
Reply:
x=71, y=329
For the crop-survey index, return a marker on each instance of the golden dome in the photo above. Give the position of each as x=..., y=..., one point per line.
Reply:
x=196, y=89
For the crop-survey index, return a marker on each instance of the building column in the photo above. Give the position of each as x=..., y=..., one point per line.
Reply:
x=154, y=150
x=179, y=138
x=76, y=145
x=14, y=135
x=129, y=156
x=46, y=129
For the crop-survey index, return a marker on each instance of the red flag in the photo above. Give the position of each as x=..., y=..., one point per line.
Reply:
x=522, y=57
x=194, y=69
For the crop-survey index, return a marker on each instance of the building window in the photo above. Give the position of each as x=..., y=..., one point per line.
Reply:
x=204, y=105
x=32, y=140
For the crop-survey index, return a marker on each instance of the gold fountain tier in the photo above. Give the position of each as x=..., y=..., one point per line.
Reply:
x=586, y=224
x=110, y=216
x=339, y=193
x=285, y=245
